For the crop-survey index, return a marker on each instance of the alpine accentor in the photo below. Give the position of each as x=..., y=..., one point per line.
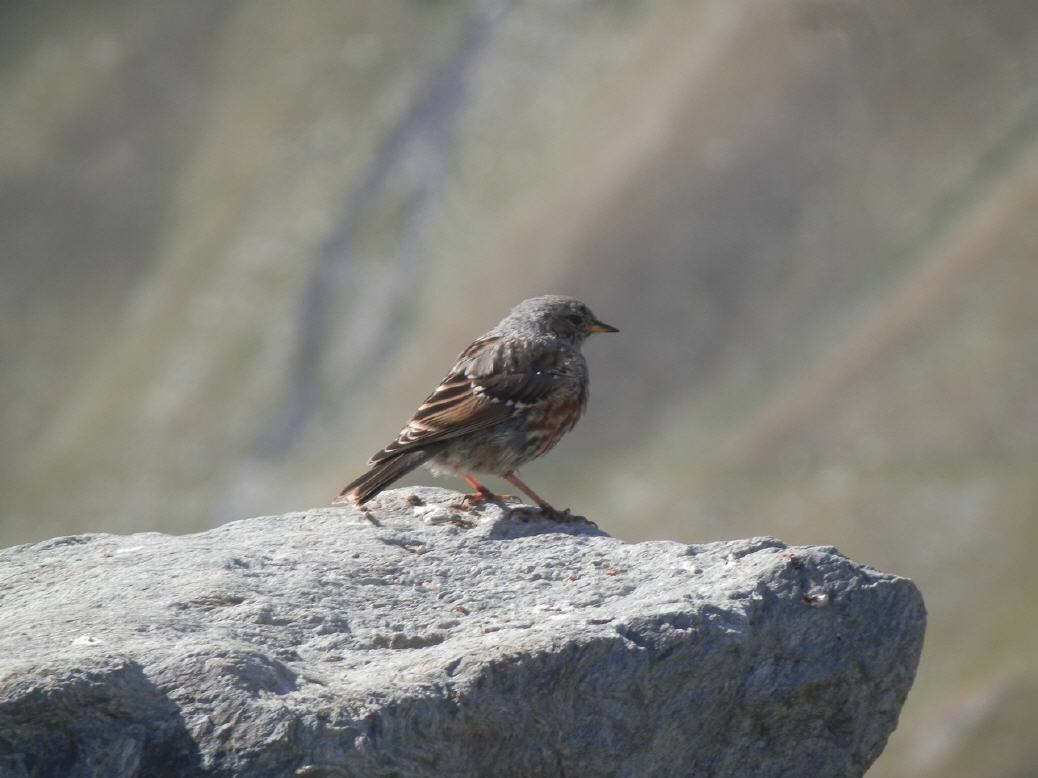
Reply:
x=508, y=399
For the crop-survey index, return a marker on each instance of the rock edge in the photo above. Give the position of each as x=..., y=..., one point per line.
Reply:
x=445, y=642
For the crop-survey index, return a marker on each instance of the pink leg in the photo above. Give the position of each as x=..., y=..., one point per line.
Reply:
x=482, y=493
x=549, y=511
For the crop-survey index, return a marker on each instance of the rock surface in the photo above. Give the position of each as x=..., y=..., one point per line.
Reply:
x=444, y=642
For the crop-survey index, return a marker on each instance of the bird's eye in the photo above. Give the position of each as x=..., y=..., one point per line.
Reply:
x=575, y=320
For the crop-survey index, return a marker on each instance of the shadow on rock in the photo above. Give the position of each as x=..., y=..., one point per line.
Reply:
x=527, y=523
x=104, y=717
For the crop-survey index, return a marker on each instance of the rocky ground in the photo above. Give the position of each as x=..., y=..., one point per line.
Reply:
x=432, y=639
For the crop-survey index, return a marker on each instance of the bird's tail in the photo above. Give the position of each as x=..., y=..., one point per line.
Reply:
x=382, y=474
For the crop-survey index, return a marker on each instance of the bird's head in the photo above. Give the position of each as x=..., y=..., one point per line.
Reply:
x=563, y=317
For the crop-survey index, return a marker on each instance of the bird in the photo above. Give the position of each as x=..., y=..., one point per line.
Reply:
x=508, y=399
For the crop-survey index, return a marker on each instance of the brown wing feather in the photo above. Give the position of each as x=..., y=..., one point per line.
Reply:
x=491, y=380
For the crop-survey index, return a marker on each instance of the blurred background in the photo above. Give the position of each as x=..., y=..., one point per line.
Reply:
x=241, y=241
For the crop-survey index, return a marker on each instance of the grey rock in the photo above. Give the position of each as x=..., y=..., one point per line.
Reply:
x=444, y=641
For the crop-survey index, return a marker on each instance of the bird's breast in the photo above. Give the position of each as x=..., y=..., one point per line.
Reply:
x=545, y=428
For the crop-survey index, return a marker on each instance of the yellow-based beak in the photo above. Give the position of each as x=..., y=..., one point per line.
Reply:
x=598, y=326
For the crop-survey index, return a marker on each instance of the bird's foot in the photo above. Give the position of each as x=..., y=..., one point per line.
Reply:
x=476, y=498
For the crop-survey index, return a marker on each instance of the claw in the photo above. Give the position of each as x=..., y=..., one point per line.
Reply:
x=482, y=494
x=478, y=497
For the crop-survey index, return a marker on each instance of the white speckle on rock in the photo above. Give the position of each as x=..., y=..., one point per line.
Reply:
x=433, y=515
x=817, y=598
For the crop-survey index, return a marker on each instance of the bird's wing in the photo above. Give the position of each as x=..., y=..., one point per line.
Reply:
x=491, y=380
